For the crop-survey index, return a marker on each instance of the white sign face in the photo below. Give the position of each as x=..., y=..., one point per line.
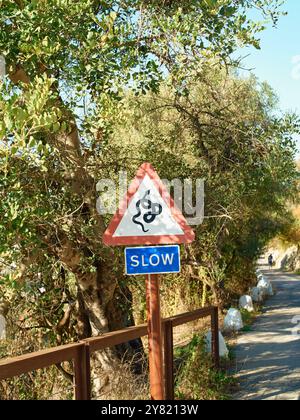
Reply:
x=147, y=214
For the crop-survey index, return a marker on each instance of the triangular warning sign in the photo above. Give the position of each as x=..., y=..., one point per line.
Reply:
x=148, y=215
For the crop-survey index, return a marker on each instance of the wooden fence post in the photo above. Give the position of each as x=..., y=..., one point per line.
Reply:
x=168, y=360
x=82, y=373
x=215, y=336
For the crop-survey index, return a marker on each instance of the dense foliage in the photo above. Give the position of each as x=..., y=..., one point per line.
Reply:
x=244, y=152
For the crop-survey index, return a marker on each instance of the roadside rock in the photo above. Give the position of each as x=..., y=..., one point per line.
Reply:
x=223, y=350
x=266, y=287
x=233, y=320
x=257, y=295
x=246, y=303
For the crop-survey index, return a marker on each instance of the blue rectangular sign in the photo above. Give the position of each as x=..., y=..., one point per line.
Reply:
x=152, y=260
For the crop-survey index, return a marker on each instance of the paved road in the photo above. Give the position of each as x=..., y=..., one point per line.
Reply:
x=268, y=357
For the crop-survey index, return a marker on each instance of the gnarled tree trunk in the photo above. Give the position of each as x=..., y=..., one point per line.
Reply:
x=96, y=288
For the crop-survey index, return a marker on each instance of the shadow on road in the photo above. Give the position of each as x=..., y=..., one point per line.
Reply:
x=268, y=357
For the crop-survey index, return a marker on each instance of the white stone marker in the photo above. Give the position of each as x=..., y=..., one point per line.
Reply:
x=223, y=350
x=233, y=320
x=266, y=287
x=246, y=303
x=257, y=295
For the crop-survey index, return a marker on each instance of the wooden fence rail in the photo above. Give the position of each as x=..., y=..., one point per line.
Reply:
x=80, y=352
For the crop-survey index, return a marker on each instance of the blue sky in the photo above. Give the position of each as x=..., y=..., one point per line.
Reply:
x=278, y=61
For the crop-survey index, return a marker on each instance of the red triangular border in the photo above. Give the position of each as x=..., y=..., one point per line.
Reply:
x=187, y=237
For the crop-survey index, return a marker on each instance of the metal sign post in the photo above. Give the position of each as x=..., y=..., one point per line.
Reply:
x=154, y=337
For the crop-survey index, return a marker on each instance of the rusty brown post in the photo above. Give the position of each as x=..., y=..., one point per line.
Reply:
x=82, y=373
x=154, y=337
x=215, y=336
x=88, y=371
x=168, y=360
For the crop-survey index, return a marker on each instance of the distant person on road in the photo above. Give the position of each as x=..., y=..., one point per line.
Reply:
x=270, y=261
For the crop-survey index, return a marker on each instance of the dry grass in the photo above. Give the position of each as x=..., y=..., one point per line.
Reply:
x=42, y=384
x=124, y=383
